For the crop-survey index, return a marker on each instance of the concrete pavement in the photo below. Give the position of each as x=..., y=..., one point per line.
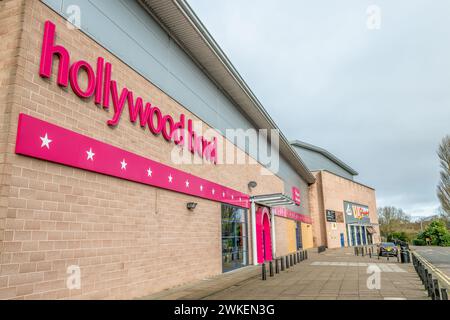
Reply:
x=335, y=274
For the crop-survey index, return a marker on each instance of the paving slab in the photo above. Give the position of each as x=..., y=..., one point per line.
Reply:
x=333, y=275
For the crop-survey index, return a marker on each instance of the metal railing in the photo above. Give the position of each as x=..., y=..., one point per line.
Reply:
x=433, y=286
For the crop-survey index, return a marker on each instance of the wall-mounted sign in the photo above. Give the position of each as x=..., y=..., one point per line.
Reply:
x=339, y=217
x=355, y=212
x=331, y=216
x=286, y=213
x=104, y=90
x=296, y=195
x=43, y=140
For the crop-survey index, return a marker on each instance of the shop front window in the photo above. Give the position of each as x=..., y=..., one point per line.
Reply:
x=234, y=238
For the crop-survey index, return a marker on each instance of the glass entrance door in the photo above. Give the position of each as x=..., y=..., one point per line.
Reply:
x=234, y=238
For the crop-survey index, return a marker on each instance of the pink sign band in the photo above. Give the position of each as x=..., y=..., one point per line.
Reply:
x=40, y=139
x=286, y=213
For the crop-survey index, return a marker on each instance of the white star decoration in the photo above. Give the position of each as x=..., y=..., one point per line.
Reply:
x=201, y=188
x=170, y=178
x=45, y=141
x=213, y=191
x=223, y=194
x=123, y=165
x=232, y=197
x=90, y=154
x=149, y=172
x=187, y=183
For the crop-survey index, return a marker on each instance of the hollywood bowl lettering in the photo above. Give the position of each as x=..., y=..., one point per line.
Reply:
x=103, y=89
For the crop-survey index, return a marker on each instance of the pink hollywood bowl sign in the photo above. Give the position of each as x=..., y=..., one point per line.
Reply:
x=40, y=139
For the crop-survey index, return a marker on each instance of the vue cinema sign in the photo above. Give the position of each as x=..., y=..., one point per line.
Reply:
x=103, y=89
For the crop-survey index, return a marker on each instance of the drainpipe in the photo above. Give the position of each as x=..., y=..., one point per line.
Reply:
x=253, y=213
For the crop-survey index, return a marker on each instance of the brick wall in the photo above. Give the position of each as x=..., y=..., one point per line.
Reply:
x=129, y=239
x=315, y=196
x=335, y=190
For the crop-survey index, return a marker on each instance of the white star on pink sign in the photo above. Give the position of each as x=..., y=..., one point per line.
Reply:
x=45, y=141
x=123, y=165
x=90, y=154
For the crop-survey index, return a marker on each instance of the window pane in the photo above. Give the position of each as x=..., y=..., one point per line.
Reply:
x=234, y=237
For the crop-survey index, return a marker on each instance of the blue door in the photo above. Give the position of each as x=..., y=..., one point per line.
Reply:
x=342, y=240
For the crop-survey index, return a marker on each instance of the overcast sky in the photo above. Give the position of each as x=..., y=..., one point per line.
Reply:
x=379, y=99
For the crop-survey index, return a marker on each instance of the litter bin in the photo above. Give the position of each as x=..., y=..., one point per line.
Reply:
x=404, y=255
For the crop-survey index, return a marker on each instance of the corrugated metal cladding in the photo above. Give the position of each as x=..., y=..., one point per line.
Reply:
x=317, y=161
x=129, y=32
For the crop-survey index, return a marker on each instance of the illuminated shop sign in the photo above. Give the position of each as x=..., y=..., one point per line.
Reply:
x=356, y=212
x=40, y=139
x=286, y=213
x=105, y=91
x=296, y=195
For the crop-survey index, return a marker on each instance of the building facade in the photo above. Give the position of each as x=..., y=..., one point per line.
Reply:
x=93, y=122
x=344, y=211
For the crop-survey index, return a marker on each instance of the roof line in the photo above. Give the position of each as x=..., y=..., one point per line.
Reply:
x=350, y=180
x=182, y=24
x=325, y=153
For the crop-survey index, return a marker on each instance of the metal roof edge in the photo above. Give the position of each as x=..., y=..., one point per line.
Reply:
x=254, y=107
x=326, y=154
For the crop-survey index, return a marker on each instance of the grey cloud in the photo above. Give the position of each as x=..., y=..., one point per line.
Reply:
x=379, y=100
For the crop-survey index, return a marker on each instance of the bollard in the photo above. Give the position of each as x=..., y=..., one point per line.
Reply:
x=306, y=254
x=263, y=272
x=444, y=295
x=298, y=257
x=370, y=253
x=282, y=263
x=301, y=256
x=422, y=273
x=354, y=251
x=362, y=251
x=277, y=267
x=291, y=262
x=295, y=258
x=437, y=295
x=398, y=257
x=271, y=269
x=287, y=262
x=430, y=285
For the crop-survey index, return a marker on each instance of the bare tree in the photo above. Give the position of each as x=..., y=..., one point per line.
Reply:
x=390, y=218
x=443, y=189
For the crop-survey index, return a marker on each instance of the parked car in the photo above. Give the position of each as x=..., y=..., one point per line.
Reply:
x=386, y=249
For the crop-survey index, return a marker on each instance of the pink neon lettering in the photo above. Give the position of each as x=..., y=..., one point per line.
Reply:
x=155, y=129
x=48, y=51
x=99, y=80
x=102, y=87
x=118, y=103
x=73, y=77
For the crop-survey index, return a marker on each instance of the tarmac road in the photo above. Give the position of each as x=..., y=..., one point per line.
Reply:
x=439, y=257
